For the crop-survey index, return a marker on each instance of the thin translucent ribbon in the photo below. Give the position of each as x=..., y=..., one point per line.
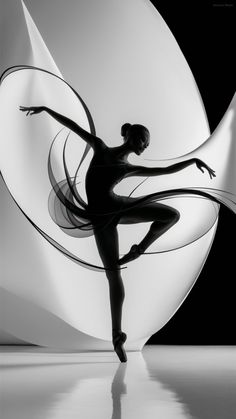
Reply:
x=69, y=210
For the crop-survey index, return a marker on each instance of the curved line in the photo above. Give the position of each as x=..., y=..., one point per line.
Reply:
x=59, y=193
x=88, y=114
x=147, y=198
x=29, y=67
x=181, y=247
x=71, y=185
x=67, y=173
x=136, y=187
x=55, y=244
x=219, y=190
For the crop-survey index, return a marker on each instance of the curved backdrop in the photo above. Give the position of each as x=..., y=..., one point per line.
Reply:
x=124, y=74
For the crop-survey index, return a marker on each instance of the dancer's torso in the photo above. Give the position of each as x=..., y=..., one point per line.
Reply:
x=104, y=172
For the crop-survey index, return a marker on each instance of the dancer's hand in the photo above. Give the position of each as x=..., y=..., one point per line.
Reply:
x=32, y=110
x=201, y=165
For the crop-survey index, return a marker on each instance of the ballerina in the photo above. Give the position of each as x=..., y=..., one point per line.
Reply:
x=107, y=168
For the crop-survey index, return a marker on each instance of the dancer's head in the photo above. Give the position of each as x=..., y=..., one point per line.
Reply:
x=136, y=136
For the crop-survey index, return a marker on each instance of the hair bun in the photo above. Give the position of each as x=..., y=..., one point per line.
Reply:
x=125, y=128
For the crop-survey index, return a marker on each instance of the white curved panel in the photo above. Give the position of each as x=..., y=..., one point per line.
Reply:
x=125, y=63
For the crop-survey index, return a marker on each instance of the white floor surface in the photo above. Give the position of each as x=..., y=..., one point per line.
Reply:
x=164, y=382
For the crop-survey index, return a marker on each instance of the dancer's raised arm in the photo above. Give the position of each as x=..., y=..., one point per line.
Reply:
x=157, y=171
x=91, y=139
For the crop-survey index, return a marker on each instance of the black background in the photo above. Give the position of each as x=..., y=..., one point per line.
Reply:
x=205, y=32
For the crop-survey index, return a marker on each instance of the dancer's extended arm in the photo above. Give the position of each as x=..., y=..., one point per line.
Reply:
x=91, y=139
x=156, y=171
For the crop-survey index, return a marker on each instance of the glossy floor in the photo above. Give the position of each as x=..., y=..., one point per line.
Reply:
x=164, y=382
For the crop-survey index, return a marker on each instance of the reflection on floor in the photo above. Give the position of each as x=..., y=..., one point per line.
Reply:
x=164, y=382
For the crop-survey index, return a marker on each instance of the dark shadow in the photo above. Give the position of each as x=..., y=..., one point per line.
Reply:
x=118, y=389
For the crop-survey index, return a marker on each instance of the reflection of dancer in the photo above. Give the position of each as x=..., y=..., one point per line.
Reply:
x=118, y=390
x=108, y=166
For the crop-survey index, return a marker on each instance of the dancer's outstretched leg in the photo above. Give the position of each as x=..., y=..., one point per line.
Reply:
x=165, y=217
x=107, y=243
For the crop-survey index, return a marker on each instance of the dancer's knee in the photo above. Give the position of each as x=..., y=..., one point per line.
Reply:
x=171, y=218
x=175, y=216
x=113, y=274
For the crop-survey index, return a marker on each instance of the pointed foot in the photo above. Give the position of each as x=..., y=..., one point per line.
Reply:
x=118, y=342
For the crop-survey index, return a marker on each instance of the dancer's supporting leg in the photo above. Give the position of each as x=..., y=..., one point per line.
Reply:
x=108, y=247
x=163, y=217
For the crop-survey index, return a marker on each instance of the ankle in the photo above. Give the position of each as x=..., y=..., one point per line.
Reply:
x=116, y=332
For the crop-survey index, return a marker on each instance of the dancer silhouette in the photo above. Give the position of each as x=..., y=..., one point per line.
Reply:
x=108, y=167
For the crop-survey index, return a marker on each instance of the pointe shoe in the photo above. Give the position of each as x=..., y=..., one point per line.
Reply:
x=134, y=253
x=118, y=341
